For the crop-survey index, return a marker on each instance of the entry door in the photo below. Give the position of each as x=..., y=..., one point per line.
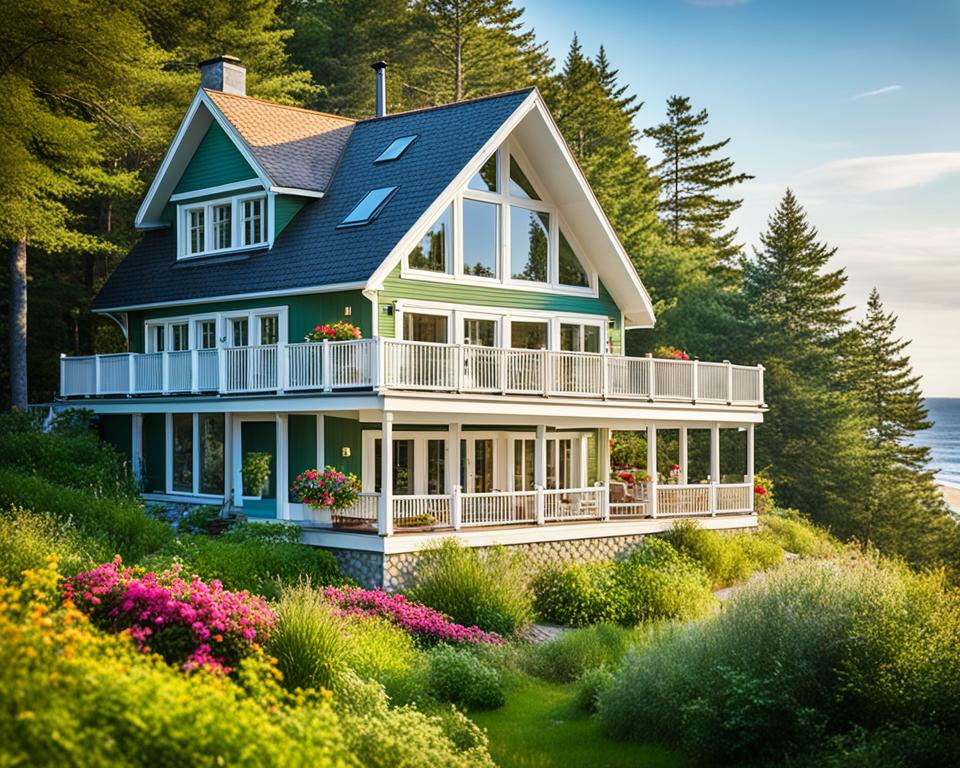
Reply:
x=261, y=437
x=477, y=461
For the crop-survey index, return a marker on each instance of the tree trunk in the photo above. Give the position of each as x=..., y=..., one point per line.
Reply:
x=18, y=324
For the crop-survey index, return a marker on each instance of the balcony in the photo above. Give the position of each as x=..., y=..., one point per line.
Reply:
x=458, y=510
x=381, y=364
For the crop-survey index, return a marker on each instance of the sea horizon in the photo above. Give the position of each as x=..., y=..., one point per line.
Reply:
x=943, y=439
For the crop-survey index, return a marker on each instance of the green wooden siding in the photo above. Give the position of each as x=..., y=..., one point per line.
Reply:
x=303, y=312
x=302, y=445
x=285, y=208
x=397, y=287
x=154, y=452
x=339, y=434
x=216, y=161
x=117, y=431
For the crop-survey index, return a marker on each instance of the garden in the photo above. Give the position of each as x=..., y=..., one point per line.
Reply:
x=124, y=639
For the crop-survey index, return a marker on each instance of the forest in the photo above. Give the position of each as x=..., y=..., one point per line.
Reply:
x=91, y=94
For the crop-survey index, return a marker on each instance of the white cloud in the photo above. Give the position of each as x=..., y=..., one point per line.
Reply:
x=877, y=92
x=879, y=173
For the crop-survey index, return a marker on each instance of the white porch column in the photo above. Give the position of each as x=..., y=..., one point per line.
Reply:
x=683, y=456
x=540, y=457
x=283, y=469
x=715, y=453
x=321, y=450
x=603, y=470
x=229, y=459
x=751, y=470
x=652, y=469
x=385, y=522
x=452, y=479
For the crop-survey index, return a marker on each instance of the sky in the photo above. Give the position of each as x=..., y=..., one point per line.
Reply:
x=854, y=104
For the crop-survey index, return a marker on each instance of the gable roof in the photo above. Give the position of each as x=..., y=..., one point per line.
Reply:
x=312, y=253
x=298, y=148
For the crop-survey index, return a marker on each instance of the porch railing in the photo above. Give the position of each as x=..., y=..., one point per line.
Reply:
x=542, y=506
x=406, y=365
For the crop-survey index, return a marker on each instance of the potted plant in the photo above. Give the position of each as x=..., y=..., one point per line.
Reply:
x=330, y=489
x=256, y=473
x=338, y=331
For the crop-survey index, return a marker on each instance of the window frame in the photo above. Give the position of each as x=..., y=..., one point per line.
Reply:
x=506, y=200
x=222, y=320
x=237, y=228
x=196, y=465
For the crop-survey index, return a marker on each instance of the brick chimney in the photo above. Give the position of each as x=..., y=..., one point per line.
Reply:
x=224, y=73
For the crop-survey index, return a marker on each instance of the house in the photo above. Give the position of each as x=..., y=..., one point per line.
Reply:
x=492, y=297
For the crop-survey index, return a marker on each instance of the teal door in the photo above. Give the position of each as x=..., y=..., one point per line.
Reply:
x=261, y=437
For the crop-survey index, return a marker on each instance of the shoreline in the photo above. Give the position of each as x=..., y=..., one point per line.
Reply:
x=951, y=494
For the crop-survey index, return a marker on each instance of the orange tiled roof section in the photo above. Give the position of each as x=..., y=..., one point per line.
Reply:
x=298, y=148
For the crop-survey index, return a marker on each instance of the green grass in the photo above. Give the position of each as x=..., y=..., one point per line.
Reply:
x=540, y=728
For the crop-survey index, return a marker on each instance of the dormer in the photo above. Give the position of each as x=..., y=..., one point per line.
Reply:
x=239, y=169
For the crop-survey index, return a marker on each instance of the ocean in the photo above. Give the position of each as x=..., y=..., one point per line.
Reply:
x=943, y=439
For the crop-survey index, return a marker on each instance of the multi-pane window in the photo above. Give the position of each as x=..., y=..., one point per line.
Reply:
x=239, y=327
x=529, y=244
x=431, y=252
x=207, y=334
x=196, y=232
x=222, y=222
x=254, y=222
x=528, y=335
x=210, y=437
x=269, y=329
x=571, y=271
x=182, y=452
x=159, y=337
x=485, y=180
x=579, y=337
x=179, y=337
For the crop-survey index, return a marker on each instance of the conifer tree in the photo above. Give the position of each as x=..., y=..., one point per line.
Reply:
x=691, y=178
x=904, y=511
x=796, y=325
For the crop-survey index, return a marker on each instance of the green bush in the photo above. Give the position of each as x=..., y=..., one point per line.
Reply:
x=579, y=651
x=590, y=687
x=308, y=640
x=196, y=519
x=71, y=456
x=727, y=558
x=810, y=649
x=255, y=564
x=790, y=530
x=909, y=746
x=381, y=651
x=488, y=588
x=653, y=582
x=119, y=522
x=457, y=675
x=28, y=538
x=288, y=533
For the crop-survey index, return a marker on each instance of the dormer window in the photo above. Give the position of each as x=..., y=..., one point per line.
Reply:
x=218, y=226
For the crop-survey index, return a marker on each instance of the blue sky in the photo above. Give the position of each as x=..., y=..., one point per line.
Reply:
x=853, y=104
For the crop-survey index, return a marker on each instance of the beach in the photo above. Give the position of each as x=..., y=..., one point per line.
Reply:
x=952, y=495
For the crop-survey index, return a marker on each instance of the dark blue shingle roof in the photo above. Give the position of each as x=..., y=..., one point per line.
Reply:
x=312, y=251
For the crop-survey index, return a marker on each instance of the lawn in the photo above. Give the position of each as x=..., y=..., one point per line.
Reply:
x=539, y=728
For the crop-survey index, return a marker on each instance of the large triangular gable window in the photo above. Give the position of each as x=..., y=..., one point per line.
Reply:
x=571, y=270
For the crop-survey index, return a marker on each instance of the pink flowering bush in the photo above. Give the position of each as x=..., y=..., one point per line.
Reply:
x=190, y=623
x=330, y=489
x=420, y=621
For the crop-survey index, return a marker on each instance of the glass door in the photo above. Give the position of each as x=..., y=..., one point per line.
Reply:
x=481, y=360
x=478, y=456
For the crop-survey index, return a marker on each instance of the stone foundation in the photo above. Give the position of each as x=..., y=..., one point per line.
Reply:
x=396, y=571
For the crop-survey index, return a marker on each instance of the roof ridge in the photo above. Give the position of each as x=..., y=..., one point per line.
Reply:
x=214, y=93
x=501, y=94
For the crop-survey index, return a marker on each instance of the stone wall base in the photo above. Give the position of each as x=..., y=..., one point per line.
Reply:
x=396, y=571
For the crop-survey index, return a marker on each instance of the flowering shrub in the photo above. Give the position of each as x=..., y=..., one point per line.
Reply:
x=329, y=489
x=193, y=624
x=339, y=331
x=762, y=493
x=671, y=352
x=416, y=618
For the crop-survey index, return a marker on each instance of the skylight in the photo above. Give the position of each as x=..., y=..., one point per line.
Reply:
x=397, y=147
x=369, y=206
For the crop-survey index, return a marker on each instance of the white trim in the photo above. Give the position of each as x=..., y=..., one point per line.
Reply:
x=297, y=192
x=235, y=203
x=222, y=319
x=232, y=187
x=331, y=288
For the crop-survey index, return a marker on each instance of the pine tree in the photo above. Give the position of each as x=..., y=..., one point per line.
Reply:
x=691, y=178
x=795, y=318
x=904, y=512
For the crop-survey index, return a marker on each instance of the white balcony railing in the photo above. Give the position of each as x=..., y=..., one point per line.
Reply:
x=390, y=364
